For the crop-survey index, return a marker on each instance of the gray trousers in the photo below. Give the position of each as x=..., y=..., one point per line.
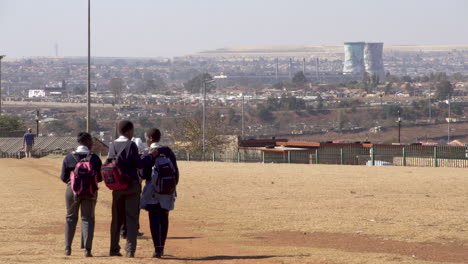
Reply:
x=87, y=206
x=125, y=206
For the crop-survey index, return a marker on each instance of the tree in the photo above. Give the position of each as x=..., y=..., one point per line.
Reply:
x=189, y=133
x=196, y=83
x=341, y=119
x=116, y=86
x=444, y=90
x=458, y=77
x=10, y=123
x=264, y=114
x=300, y=80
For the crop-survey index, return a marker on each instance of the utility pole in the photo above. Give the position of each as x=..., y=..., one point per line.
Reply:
x=277, y=69
x=88, y=116
x=242, y=116
x=430, y=104
x=303, y=66
x=399, y=126
x=37, y=122
x=290, y=68
x=317, y=69
x=204, y=115
x=448, y=122
x=1, y=57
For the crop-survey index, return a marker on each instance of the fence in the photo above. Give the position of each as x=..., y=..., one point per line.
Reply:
x=352, y=154
x=378, y=155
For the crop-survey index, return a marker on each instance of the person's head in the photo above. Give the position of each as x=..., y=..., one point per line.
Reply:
x=152, y=135
x=29, y=130
x=85, y=139
x=126, y=128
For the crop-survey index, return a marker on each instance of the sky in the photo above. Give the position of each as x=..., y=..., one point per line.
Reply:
x=167, y=28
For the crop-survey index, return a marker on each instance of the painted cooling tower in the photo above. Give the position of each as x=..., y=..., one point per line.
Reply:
x=354, y=58
x=373, y=59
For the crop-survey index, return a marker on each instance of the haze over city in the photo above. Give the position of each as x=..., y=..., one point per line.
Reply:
x=147, y=28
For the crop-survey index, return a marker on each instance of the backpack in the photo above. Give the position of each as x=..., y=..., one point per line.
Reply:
x=113, y=174
x=163, y=175
x=83, y=178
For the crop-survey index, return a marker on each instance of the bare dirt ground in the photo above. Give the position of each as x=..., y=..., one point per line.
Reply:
x=257, y=213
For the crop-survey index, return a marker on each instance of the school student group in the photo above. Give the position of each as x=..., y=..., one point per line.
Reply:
x=127, y=166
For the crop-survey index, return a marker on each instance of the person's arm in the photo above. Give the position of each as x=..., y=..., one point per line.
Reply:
x=32, y=140
x=97, y=164
x=24, y=140
x=173, y=159
x=140, y=162
x=65, y=176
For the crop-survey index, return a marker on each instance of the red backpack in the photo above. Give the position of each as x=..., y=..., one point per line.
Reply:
x=112, y=171
x=84, y=178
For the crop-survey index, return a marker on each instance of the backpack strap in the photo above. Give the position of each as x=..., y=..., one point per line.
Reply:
x=75, y=155
x=117, y=154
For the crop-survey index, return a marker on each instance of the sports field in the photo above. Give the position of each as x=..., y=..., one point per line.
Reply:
x=256, y=213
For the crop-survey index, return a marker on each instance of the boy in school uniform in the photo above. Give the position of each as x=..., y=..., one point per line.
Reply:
x=74, y=202
x=125, y=203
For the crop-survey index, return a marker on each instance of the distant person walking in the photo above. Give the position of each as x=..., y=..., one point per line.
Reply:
x=158, y=204
x=28, y=142
x=125, y=203
x=81, y=171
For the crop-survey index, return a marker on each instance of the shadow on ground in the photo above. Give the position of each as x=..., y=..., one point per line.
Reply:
x=226, y=257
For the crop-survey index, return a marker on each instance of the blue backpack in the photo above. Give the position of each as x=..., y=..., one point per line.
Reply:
x=163, y=177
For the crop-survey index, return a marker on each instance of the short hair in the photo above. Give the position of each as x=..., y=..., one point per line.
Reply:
x=124, y=126
x=154, y=133
x=83, y=137
x=29, y=130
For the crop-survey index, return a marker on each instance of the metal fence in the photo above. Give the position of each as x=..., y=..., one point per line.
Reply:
x=378, y=155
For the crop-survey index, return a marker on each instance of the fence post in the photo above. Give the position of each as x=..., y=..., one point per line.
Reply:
x=373, y=156
x=238, y=157
x=404, y=156
x=263, y=156
x=289, y=156
x=341, y=156
x=188, y=156
x=213, y=156
x=436, y=163
x=316, y=156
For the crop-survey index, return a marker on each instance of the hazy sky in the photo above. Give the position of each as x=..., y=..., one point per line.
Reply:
x=151, y=28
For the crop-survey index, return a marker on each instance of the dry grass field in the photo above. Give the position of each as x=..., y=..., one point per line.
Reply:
x=257, y=213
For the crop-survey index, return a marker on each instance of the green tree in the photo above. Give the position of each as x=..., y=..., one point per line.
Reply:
x=9, y=123
x=264, y=114
x=195, y=84
x=444, y=90
x=458, y=76
x=299, y=79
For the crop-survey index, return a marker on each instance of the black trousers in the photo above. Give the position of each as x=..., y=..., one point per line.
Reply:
x=159, y=225
x=125, y=207
x=87, y=206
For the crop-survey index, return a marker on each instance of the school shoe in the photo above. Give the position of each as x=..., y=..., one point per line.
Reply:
x=159, y=253
x=130, y=254
x=140, y=234
x=88, y=254
x=115, y=254
x=67, y=251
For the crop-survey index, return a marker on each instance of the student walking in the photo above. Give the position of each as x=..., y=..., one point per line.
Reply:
x=158, y=204
x=28, y=141
x=81, y=171
x=125, y=203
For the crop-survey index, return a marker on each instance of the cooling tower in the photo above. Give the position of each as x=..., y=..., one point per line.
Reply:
x=373, y=59
x=354, y=58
